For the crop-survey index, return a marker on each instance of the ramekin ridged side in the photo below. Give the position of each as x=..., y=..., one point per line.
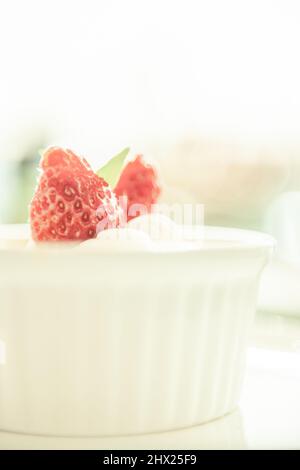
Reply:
x=157, y=350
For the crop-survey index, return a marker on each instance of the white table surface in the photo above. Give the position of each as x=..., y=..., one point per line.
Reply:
x=268, y=415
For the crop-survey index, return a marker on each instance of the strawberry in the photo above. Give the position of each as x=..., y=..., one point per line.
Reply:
x=138, y=183
x=71, y=202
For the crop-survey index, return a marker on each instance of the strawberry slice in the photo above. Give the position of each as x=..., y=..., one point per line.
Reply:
x=138, y=183
x=71, y=202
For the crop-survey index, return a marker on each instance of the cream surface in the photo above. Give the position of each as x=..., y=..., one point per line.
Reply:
x=151, y=232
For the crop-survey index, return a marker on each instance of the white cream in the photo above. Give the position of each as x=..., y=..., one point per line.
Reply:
x=118, y=239
x=158, y=227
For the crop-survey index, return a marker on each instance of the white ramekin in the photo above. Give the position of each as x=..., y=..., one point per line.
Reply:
x=123, y=343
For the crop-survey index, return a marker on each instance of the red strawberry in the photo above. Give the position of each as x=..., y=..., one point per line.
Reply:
x=138, y=182
x=71, y=202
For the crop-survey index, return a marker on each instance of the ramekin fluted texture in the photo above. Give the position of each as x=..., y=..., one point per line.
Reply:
x=114, y=344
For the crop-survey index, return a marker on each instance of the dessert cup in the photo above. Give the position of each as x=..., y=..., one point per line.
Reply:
x=98, y=344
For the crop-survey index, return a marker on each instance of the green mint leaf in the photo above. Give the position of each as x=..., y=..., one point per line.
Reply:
x=111, y=171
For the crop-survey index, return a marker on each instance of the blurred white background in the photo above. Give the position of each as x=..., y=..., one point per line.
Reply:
x=209, y=89
x=101, y=74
